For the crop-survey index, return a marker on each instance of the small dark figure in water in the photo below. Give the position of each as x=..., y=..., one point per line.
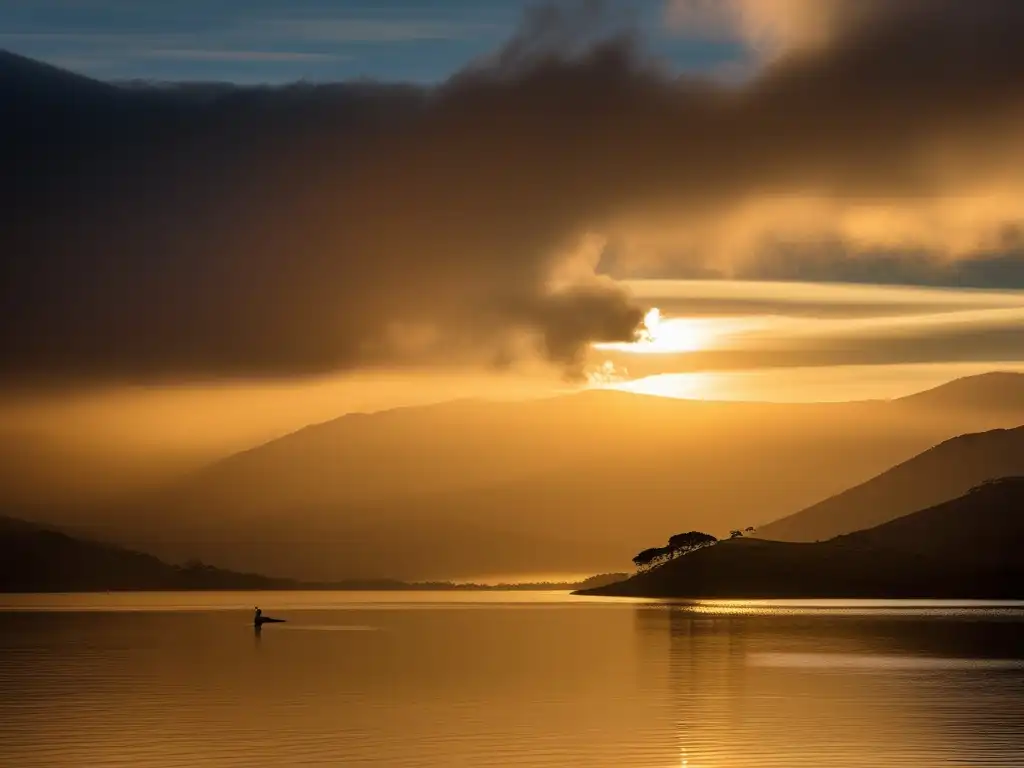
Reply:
x=258, y=618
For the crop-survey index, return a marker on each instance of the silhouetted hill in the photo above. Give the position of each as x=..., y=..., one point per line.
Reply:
x=28, y=82
x=37, y=559
x=602, y=580
x=965, y=548
x=467, y=489
x=994, y=390
x=940, y=473
x=984, y=528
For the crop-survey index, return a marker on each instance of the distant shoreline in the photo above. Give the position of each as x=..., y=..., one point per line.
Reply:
x=988, y=597
x=308, y=588
x=41, y=560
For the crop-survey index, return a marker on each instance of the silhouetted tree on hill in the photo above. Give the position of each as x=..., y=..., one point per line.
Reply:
x=683, y=543
x=738, y=534
x=651, y=558
x=644, y=558
x=678, y=545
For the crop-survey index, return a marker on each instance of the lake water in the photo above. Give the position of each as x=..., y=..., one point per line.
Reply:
x=506, y=679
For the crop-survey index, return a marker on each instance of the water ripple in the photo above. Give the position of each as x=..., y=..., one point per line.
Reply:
x=563, y=684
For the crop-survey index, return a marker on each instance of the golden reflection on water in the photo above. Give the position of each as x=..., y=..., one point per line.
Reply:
x=848, y=607
x=507, y=679
x=767, y=685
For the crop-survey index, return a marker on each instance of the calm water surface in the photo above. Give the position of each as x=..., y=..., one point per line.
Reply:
x=507, y=679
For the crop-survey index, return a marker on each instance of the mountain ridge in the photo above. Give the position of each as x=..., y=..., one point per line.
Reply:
x=36, y=558
x=40, y=559
x=964, y=548
x=514, y=478
x=944, y=471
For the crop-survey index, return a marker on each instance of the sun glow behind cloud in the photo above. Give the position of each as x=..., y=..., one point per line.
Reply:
x=841, y=383
x=736, y=340
x=670, y=335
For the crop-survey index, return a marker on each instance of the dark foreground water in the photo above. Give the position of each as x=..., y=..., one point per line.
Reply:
x=435, y=679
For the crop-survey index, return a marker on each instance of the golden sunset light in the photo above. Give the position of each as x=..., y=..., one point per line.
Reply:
x=535, y=383
x=670, y=334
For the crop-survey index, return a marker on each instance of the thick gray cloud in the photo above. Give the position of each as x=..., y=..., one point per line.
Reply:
x=151, y=233
x=204, y=232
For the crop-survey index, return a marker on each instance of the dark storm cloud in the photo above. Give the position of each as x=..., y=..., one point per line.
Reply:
x=274, y=232
x=310, y=228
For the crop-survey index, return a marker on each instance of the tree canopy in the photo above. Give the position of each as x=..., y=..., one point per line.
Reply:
x=689, y=541
x=678, y=545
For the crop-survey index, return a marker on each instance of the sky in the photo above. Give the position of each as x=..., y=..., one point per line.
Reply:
x=463, y=199
x=276, y=41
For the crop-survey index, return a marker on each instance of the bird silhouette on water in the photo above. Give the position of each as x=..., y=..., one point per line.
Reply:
x=258, y=619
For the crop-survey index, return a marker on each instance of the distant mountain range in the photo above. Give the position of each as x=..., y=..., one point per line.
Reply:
x=464, y=489
x=459, y=490
x=968, y=547
x=943, y=472
x=389, y=500
x=945, y=523
x=994, y=391
x=38, y=559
